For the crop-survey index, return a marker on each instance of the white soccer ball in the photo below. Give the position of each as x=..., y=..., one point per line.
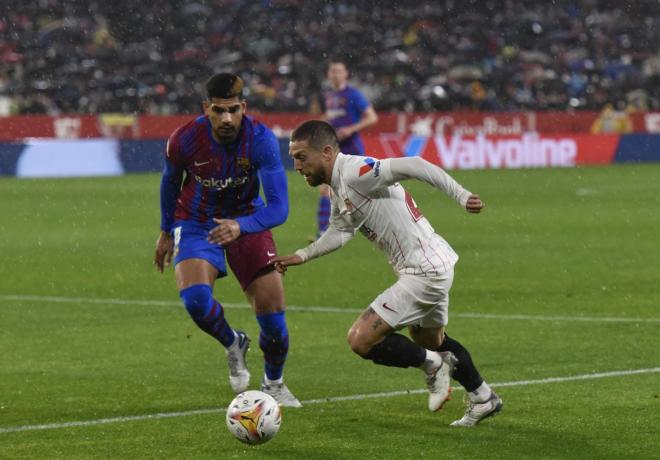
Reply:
x=253, y=417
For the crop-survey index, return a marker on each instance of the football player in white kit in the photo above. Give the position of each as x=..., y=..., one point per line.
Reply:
x=367, y=197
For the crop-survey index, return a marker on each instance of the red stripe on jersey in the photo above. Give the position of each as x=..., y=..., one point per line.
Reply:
x=365, y=169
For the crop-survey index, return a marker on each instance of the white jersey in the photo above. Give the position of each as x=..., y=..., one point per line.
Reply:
x=366, y=198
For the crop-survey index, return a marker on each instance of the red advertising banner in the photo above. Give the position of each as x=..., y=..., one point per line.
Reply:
x=123, y=126
x=530, y=150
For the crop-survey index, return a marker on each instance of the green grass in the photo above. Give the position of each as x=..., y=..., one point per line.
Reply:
x=561, y=243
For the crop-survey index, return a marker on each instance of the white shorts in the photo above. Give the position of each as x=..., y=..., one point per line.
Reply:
x=416, y=301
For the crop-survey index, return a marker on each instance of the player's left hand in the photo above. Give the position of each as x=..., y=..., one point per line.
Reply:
x=225, y=232
x=474, y=204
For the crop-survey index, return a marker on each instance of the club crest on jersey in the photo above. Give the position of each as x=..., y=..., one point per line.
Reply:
x=243, y=163
x=370, y=162
x=349, y=205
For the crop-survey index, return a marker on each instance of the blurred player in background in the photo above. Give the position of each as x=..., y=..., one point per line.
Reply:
x=349, y=112
x=210, y=206
x=367, y=197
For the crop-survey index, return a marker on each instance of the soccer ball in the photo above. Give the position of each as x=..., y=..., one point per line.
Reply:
x=253, y=417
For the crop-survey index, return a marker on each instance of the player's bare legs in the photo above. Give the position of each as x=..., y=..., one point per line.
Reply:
x=266, y=295
x=194, y=271
x=372, y=338
x=428, y=337
x=195, y=279
x=483, y=402
x=367, y=331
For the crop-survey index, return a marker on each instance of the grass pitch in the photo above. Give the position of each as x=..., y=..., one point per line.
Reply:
x=558, y=278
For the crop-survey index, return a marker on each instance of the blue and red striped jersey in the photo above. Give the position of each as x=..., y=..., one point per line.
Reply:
x=342, y=108
x=204, y=179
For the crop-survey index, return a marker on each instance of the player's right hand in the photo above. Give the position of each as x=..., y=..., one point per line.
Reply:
x=474, y=204
x=282, y=262
x=164, y=251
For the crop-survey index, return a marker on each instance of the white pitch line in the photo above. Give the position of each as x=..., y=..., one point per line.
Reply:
x=357, y=397
x=605, y=319
x=321, y=309
x=597, y=375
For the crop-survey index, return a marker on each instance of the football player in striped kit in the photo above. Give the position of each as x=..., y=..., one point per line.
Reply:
x=349, y=112
x=367, y=197
x=215, y=166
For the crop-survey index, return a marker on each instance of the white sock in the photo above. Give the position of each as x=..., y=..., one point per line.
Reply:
x=433, y=361
x=268, y=381
x=481, y=394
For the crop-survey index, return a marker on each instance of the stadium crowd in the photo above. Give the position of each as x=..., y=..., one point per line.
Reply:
x=88, y=56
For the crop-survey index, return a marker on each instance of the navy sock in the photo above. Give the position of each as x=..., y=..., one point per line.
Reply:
x=207, y=313
x=274, y=342
x=397, y=351
x=465, y=371
x=323, y=216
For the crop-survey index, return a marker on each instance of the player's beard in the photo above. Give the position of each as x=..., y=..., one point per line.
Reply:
x=315, y=179
x=226, y=134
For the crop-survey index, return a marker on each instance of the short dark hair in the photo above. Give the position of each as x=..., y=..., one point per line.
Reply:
x=224, y=86
x=337, y=60
x=317, y=133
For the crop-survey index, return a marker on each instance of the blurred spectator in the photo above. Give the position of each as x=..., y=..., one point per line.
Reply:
x=131, y=57
x=613, y=121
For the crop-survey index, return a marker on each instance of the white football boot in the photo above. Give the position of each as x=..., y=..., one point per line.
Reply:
x=437, y=380
x=476, y=412
x=239, y=376
x=281, y=393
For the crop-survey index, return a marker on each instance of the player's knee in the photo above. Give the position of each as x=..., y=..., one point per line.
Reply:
x=356, y=342
x=197, y=299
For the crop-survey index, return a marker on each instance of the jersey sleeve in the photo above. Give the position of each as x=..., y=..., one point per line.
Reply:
x=359, y=101
x=170, y=184
x=420, y=169
x=274, y=183
x=337, y=235
x=331, y=240
x=367, y=175
x=371, y=175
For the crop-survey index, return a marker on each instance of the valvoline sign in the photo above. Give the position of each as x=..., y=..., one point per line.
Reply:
x=530, y=150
